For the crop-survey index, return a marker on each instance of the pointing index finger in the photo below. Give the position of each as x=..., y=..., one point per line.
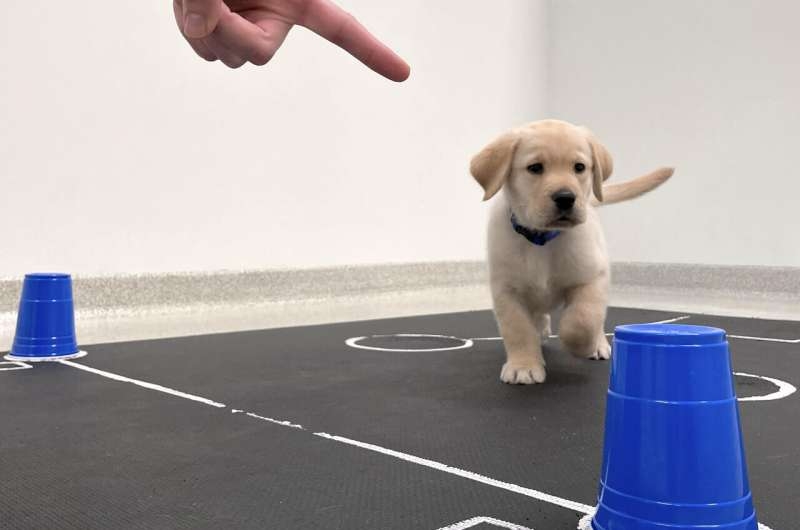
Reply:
x=331, y=22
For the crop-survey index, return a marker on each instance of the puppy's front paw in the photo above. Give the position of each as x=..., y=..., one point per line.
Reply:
x=522, y=373
x=603, y=349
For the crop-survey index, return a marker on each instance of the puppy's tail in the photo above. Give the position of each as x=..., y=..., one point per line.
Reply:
x=625, y=191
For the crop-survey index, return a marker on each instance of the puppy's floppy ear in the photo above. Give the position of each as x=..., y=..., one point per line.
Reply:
x=602, y=165
x=492, y=165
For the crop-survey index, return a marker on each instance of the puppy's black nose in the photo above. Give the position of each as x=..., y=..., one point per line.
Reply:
x=564, y=200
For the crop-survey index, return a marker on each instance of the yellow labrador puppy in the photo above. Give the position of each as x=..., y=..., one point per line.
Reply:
x=546, y=246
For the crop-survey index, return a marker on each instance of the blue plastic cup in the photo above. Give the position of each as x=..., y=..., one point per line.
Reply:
x=673, y=455
x=46, y=320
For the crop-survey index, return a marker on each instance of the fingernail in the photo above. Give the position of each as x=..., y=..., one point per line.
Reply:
x=194, y=26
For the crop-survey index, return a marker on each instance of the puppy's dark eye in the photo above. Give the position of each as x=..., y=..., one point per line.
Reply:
x=579, y=167
x=537, y=168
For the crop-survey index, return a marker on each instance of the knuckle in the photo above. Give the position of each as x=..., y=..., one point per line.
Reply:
x=261, y=58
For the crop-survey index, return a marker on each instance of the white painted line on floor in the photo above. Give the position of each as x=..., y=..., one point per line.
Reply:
x=784, y=389
x=354, y=342
x=501, y=338
x=667, y=321
x=552, y=499
x=611, y=334
x=143, y=384
x=475, y=521
x=270, y=420
x=528, y=492
x=765, y=339
x=671, y=320
x=13, y=365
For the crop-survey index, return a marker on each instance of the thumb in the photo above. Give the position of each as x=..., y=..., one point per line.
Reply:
x=200, y=17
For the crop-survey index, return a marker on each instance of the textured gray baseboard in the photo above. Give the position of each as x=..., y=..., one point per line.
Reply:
x=762, y=281
x=131, y=292
x=119, y=308
x=144, y=306
x=760, y=292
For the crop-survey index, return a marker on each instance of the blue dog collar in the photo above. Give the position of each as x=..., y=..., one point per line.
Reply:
x=536, y=237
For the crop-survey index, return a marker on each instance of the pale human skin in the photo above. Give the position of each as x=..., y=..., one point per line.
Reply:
x=239, y=31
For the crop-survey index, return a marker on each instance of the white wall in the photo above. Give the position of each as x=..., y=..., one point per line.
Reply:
x=712, y=87
x=122, y=152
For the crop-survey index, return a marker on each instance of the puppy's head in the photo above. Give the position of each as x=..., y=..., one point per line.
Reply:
x=548, y=169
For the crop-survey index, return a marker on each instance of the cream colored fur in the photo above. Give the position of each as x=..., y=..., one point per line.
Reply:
x=528, y=281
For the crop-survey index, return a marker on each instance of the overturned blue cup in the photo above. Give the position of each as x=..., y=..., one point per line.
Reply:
x=673, y=456
x=46, y=320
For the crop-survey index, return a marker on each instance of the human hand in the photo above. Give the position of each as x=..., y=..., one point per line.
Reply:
x=238, y=31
